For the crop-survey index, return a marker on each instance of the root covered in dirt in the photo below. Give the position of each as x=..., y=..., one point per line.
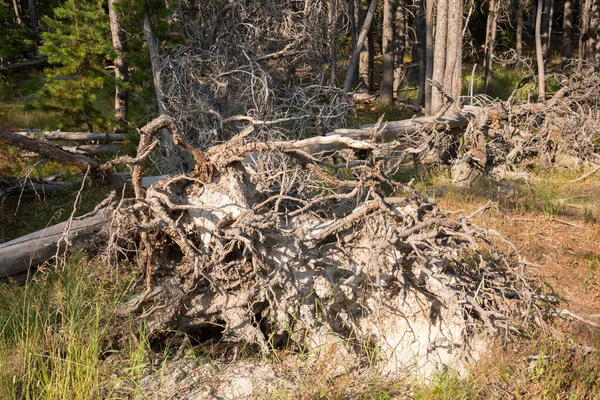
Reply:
x=275, y=245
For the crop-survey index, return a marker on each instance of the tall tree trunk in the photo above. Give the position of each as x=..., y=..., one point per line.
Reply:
x=359, y=45
x=586, y=9
x=121, y=65
x=447, y=64
x=594, y=40
x=399, y=44
x=332, y=19
x=17, y=14
x=545, y=27
x=567, y=47
x=519, y=34
x=33, y=18
x=386, y=94
x=490, y=43
x=152, y=43
x=418, y=50
x=539, y=51
x=429, y=54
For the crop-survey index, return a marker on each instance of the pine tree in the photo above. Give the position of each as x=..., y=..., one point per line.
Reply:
x=79, y=44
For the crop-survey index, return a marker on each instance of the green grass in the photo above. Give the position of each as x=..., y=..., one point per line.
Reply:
x=52, y=332
x=504, y=82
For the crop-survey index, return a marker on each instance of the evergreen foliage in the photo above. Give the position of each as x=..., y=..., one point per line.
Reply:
x=78, y=44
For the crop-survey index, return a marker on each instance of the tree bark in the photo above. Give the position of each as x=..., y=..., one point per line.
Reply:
x=586, y=8
x=418, y=51
x=428, y=55
x=567, y=47
x=359, y=45
x=399, y=44
x=545, y=27
x=152, y=43
x=519, y=34
x=332, y=22
x=447, y=63
x=31, y=250
x=121, y=65
x=33, y=18
x=386, y=95
x=15, y=4
x=490, y=43
x=540, y=52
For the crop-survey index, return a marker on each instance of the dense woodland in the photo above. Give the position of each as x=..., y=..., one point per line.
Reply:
x=299, y=199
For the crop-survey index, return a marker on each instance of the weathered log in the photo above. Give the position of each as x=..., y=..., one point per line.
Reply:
x=27, y=251
x=395, y=129
x=86, y=136
x=92, y=148
x=10, y=185
x=23, y=65
x=102, y=177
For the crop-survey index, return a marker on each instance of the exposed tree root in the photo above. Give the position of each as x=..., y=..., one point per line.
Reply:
x=284, y=251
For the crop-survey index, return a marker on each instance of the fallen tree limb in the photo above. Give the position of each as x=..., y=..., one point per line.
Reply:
x=10, y=186
x=20, y=254
x=104, y=178
x=79, y=136
x=92, y=148
x=24, y=65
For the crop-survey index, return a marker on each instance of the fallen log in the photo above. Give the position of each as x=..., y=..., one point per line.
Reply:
x=10, y=185
x=98, y=174
x=23, y=65
x=20, y=254
x=86, y=136
x=92, y=148
x=394, y=129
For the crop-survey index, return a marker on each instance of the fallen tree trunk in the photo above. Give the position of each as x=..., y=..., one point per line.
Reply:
x=84, y=136
x=10, y=186
x=31, y=250
x=394, y=129
x=92, y=148
x=99, y=173
x=24, y=65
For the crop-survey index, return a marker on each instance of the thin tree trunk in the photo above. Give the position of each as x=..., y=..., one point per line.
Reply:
x=359, y=45
x=399, y=44
x=583, y=37
x=121, y=65
x=17, y=14
x=386, y=95
x=545, y=27
x=567, y=48
x=490, y=43
x=152, y=43
x=418, y=51
x=539, y=51
x=519, y=34
x=332, y=17
x=439, y=55
x=594, y=40
x=33, y=18
x=429, y=54
x=447, y=65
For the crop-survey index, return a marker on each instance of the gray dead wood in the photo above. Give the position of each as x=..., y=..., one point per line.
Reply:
x=85, y=136
x=10, y=185
x=24, y=65
x=395, y=129
x=31, y=250
x=92, y=148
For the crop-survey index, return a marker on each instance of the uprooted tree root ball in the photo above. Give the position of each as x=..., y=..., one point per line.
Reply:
x=276, y=247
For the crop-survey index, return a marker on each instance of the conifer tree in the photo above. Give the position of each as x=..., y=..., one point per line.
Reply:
x=78, y=44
